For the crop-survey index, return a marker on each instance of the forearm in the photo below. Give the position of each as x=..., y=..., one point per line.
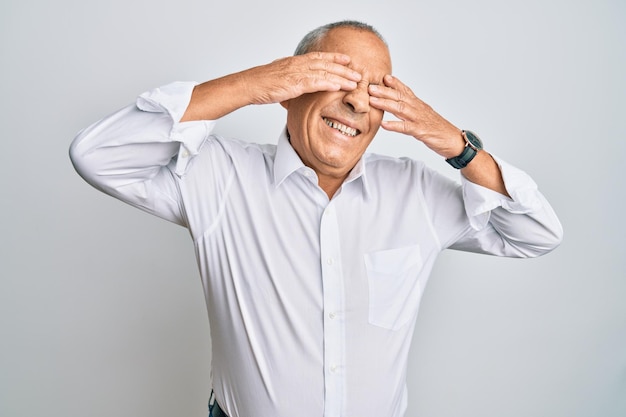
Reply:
x=514, y=231
x=276, y=82
x=477, y=219
x=484, y=171
x=523, y=218
x=214, y=99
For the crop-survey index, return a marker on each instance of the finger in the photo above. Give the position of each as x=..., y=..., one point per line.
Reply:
x=330, y=56
x=329, y=82
x=400, y=109
x=399, y=126
x=398, y=86
x=336, y=68
x=394, y=82
x=334, y=77
x=383, y=92
x=393, y=89
x=324, y=75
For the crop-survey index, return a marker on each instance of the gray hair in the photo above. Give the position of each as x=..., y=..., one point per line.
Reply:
x=311, y=40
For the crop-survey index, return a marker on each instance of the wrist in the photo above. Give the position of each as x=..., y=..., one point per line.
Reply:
x=472, y=146
x=457, y=145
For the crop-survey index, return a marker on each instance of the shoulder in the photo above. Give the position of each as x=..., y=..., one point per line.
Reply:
x=403, y=173
x=235, y=150
x=389, y=165
x=240, y=147
x=220, y=155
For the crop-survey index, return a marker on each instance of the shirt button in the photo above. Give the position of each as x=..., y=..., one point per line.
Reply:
x=184, y=154
x=333, y=368
x=330, y=261
x=332, y=316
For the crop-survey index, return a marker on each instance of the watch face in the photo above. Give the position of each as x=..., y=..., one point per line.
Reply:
x=473, y=139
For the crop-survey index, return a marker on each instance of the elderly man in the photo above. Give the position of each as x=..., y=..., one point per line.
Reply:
x=313, y=254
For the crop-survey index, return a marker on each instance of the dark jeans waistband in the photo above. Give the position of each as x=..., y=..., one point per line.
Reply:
x=216, y=411
x=214, y=408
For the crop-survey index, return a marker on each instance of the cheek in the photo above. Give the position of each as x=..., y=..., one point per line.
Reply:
x=299, y=107
x=375, y=120
x=378, y=115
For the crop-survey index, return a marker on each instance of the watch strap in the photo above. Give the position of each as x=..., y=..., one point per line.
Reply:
x=463, y=159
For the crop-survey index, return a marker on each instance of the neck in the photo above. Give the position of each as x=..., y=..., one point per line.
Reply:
x=330, y=185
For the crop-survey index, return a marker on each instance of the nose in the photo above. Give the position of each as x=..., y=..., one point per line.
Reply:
x=358, y=100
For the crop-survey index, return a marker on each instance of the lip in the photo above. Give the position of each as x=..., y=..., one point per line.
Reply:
x=343, y=122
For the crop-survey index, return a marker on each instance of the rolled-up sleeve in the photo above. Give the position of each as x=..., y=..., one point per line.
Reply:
x=137, y=153
x=522, y=225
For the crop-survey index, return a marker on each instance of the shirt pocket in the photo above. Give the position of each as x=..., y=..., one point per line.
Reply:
x=394, y=290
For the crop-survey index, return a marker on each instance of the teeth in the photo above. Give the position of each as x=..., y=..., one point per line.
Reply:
x=346, y=130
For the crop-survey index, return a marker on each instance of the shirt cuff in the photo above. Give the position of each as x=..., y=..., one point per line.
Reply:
x=480, y=201
x=173, y=99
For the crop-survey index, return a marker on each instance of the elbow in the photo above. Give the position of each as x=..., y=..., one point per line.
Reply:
x=553, y=235
x=550, y=239
x=555, y=239
x=79, y=157
x=75, y=154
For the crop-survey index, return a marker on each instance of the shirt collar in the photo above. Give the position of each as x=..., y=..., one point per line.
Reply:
x=360, y=172
x=287, y=161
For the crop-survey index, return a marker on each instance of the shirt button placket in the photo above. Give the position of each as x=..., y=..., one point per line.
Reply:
x=334, y=340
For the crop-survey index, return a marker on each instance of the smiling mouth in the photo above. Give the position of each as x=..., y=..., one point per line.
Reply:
x=343, y=129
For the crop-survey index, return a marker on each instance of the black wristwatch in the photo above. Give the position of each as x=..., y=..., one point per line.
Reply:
x=473, y=144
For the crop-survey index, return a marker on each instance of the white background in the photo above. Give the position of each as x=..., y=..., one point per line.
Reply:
x=101, y=308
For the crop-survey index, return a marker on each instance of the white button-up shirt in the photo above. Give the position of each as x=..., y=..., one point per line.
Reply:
x=311, y=302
